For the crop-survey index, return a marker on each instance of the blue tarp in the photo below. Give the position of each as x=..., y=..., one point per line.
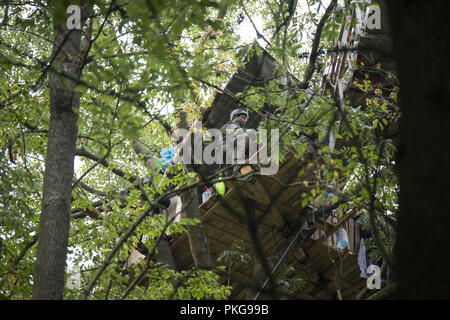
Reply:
x=166, y=157
x=341, y=239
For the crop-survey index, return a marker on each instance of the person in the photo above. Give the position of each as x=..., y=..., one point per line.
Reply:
x=239, y=117
x=234, y=136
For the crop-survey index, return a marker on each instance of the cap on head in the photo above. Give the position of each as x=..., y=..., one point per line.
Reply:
x=237, y=112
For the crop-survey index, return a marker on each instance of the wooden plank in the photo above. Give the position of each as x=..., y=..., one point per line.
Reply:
x=342, y=221
x=217, y=234
x=215, y=211
x=247, y=192
x=248, y=269
x=206, y=211
x=240, y=278
x=216, y=245
x=240, y=294
x=238, y=208
x=232, y=216
x=233, y=232
x=336, y=227
x=219, y=240
x=239, y=231
x=314, y=251
x=275, y=215
x=320, y=225
x=349, y=272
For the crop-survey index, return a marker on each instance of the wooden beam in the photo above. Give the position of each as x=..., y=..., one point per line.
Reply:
x=265, y=198
x=350, y=213
x=320, y=225
x=335, y=227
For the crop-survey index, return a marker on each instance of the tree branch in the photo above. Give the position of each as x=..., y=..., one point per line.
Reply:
x=258, y=34
x=315, y=46
x=84, y=153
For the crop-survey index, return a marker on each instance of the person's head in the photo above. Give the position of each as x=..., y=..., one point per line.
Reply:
x=240, y=115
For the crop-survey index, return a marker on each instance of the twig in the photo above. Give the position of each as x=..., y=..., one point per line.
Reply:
x=315, y=46
x=258, y=34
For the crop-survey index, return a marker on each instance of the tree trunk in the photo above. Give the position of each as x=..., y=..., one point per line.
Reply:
x=198, y=241
x=59, y=166
x=422, y=42
x=164, y=254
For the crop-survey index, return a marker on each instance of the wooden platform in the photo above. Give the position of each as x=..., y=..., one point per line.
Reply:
x=276, y=200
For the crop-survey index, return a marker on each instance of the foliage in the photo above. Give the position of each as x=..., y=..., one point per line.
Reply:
x=288, y=283
x=149, y=60
x=236, y=254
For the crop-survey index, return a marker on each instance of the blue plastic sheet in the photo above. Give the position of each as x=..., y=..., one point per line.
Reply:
x=166, y=157
x=341, y=239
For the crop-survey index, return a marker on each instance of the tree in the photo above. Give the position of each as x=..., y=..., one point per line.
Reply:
x=121, y=97
x=133, y=74
x=420, y=44
x=54, y=224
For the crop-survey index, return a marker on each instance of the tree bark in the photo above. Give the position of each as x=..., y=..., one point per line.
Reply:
x=59, y=167
x=198, y=241
x=422, y=42
x=164, y=254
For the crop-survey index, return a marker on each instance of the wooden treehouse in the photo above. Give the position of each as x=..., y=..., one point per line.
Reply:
x=267, y=214
x=276, y=204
